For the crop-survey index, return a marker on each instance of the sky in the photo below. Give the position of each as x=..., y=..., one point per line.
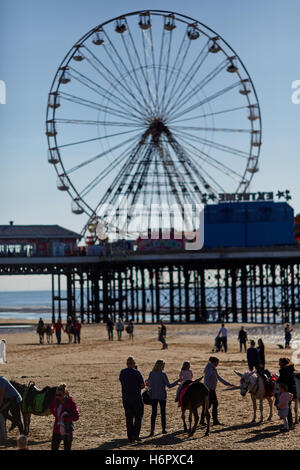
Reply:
x=35, y=36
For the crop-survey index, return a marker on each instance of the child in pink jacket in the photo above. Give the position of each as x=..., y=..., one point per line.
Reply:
x=283, y=405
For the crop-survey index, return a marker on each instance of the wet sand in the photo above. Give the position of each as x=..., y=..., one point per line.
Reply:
x=91, y=371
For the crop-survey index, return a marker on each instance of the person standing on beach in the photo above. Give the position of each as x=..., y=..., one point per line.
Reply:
x=157, y=383
x=132, y=384
x=223, y=336
x=119, y=328
x=162, y=333
x=58, y=327
x=287, y=336
x=253, y=357
x=129, y=329
x=211, y=378
x=77, y=330
x=261, y=354
x=243, y=339
x=110, y=328
x=65, y=411
x=41, y=330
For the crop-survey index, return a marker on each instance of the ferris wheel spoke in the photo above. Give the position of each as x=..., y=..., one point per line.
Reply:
x=213, y=161
x=100, y=155
x=111, y=79
x=122, y=176
x=170, y=36
x=136, y=85
x=197, y=88
x=190, y=74
x=217, y=185
x=105, y=94
x=98, y=107
x=150, y=92
x=94, y=139
x=180, y=56
x=215, y=129
x=149, y=54
x=206, y=100
x=216, y=145
x=97, y=123
x=104, y=173
x=215, y=113
x=155, y=73
x=186, y=162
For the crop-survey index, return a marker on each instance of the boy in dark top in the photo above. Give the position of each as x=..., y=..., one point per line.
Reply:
x=242, y=339
x=252, y=357
x=110, y=328
x=132, y=383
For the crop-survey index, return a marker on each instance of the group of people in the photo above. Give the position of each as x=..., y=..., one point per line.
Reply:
x=120, y=327
x=72, y=328
x=62, y=407
x=222, y=345
x=133, y=383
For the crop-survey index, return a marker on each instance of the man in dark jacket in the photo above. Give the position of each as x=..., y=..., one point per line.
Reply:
x=132, y=383
x=287, y=376
x=252, y=357
x=243, y=339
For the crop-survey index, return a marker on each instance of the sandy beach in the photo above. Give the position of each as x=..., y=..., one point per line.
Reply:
x=91, y=371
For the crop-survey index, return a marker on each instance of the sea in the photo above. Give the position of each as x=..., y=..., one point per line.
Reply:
x=31, y=305
x=26, y=305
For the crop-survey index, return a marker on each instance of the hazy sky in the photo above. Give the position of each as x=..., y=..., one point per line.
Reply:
x=35, y=36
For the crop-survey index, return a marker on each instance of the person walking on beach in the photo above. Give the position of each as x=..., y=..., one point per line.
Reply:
x=69, y=328
x=41, y=330
x=129, y=329
x=253, y=357
x=65, y=411
x=58, y=327
x=162, y=333
x=157, y=383
x=243, y=339
x=119, y=328
x=287, y=336
x=110, y=328
x=77, y=330
x=132, y=384
x=223, y=336
x=11, y=400
x=211, y=378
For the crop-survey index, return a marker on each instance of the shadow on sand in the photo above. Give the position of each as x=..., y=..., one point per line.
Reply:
x=162, y=440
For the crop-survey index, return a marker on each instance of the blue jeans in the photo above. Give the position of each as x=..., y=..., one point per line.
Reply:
x=162, y=404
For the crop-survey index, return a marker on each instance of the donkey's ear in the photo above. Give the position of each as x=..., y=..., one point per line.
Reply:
x=238, y=373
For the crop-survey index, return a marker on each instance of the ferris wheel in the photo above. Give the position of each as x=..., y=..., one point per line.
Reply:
x=151, y=108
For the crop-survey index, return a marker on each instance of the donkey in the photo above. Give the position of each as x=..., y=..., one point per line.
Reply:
x=49, y=333
x=29, y=394
x=251, y=382
x=197, y=394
